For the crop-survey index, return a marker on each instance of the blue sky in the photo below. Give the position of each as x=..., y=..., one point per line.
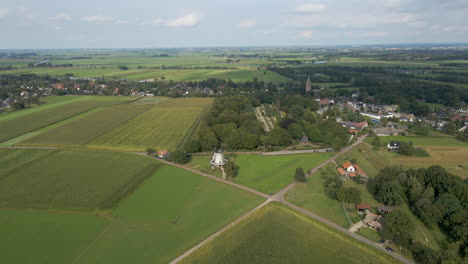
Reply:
x=154, y=23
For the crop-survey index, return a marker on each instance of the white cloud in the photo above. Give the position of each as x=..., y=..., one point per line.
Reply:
x=156, y=21
x=4, y=12
x=98, y=19
x=247, y=23
x=122, y=22
x=310, y=8
x=452, y=28
x=376, y=34
x=393, y=3
x=189, y=20
x=306, y=34
x=61, y=16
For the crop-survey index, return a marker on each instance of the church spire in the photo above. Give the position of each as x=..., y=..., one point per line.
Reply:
x=308, y=85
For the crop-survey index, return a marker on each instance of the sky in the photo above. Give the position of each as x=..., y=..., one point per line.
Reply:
x=49, y=24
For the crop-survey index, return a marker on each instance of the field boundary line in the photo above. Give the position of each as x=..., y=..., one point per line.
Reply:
x=80, y=252
x=190, y=201
x=32, y=210
x=51, y=124
x=219, y=232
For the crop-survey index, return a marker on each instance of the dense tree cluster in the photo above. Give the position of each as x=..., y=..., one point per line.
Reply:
x=334, y=189
x=434, y=195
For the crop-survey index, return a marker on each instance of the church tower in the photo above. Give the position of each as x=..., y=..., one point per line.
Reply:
x=308, y=85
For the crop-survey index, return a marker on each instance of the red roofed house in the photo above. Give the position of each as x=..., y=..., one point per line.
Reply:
x=162, y=154
x=363, y=207
x=354, y=127
x=351, y=170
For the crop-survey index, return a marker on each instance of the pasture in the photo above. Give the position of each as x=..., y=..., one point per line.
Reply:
x=276, y=234
x=86, y=129
x=146, y=230
x=454, y=159
x=18, y=126
x=270, y=174
x=369, y=160
x=422, y=141
x=41, y=237
x=311, y=196
x=72, y=179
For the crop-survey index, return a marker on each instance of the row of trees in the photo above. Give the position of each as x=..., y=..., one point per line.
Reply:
x=334, y=188
x=434, y=195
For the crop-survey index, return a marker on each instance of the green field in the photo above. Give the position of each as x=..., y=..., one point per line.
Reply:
x=311, y=196
x=270, y=174
x=370, y=161
x=45, y=103
x=164, y=126
x=146, y=230
x=276, y=234
x=70, y=179
x=20, y=125
x=86, y=129
x=422, y=141
x=39, y=237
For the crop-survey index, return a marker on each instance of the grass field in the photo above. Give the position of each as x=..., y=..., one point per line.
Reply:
x=311, y=196
x=39, y=237
x=269, y=174
x=162, y=127
x=71, y=179
x=452, y=158
x=423, y=141
x=88, y=128
x=276, y=234
x=146, y=230
x=18, y=126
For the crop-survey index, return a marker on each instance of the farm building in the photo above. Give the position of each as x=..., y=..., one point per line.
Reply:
x=385, y=209
x=372, y=220
x=354, y=127
x=162, y=154
x=351, y=170
x=363, y=207
x=393, y=145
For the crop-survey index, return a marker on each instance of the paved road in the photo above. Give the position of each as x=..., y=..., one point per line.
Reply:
x=277, y=197
x=290, y=152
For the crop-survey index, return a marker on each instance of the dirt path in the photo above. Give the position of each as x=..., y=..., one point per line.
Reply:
x=219, y=232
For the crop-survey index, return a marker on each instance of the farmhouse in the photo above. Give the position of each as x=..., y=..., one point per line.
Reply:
x=372, y=220
x=351, y=170
x=162, y=154
x=394, y=146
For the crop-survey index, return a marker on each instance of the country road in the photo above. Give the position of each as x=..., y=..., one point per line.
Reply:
x=278, y=197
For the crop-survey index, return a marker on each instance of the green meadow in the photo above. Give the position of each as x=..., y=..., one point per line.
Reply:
x=146, y=230
x=46, y=237
x=269, y=174
x=423, y=141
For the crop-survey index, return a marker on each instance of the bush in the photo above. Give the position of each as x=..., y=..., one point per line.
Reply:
x=150, y=151
x=179, y=156
x=300, y=175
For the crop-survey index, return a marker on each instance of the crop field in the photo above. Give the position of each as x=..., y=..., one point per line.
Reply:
x=311, y=196
x=17, y=158
x=150, y=100
x=18, y=126
x=276, y=234
x=40, y=237
x=86, y=129
x=146, y=230
x=72, y=179
x=161, y=127
x=269, y=174
x=423, y=141
x=46, y=102
x=158, y=128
